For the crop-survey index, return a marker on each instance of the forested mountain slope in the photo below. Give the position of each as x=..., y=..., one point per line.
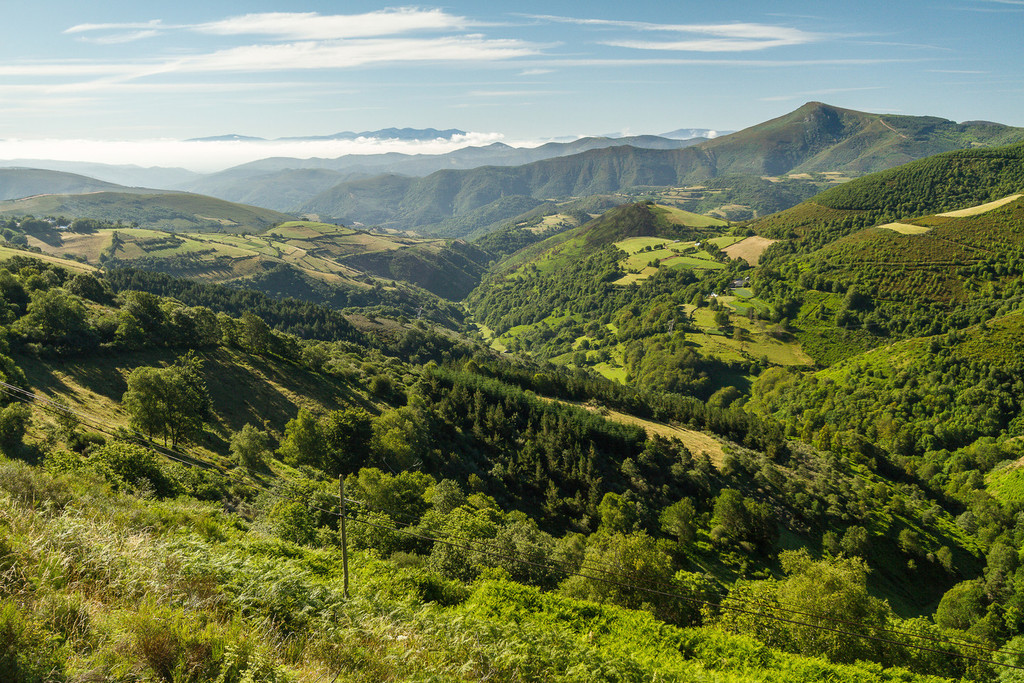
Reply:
x=815, y=137
x=944, y=182
x=170, y=493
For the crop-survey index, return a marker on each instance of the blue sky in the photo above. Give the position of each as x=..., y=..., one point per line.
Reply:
x=524, y=71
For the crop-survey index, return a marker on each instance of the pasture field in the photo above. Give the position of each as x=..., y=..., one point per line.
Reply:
x=749, y=249
x=73, y=266
x=634, y=244
x=981, y=208
x=905, y=228
x=725, y=240
x=688, y=218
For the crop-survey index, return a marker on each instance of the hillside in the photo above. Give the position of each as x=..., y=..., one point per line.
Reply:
x=202, y=536
x=17, y=183
x=814, y=138
x=156, y=211
x=329, y=263
x=954, y=180
x=285, y=179
x=645, y=294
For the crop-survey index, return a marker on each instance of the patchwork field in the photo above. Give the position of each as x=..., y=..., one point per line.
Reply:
x=647, y=254
x=329, y=253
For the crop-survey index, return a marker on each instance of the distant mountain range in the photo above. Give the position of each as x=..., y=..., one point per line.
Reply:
x=284, y=183
x=443, y=193
x=382, y=134
x=814, y=138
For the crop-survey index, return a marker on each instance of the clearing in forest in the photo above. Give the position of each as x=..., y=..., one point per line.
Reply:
x=906, y=228
x=750, y=249
x=695, y=442
x=981, y=208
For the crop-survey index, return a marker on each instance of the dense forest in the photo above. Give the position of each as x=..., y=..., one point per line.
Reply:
x=630, y=454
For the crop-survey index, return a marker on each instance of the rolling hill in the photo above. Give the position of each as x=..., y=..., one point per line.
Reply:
x=288, y=183
x=17, y=183
x=949, y=181
x=815, y=137
x=294, y=258
x=159, y=211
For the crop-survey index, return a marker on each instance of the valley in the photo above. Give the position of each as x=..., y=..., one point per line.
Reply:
x=741, y=409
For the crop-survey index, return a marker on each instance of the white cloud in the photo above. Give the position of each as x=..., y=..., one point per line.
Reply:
x=210, y=156
x=118, y=38
x=313, y=26
x=301, y=25
x=352, y=53
x=135, y=26
x=737, y=37
x=536, y=72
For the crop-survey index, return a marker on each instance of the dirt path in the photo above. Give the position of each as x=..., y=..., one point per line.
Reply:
x=893, y=129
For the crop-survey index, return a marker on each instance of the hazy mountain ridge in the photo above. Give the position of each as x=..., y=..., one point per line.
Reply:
x=814, y=137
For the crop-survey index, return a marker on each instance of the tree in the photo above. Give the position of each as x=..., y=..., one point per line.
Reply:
x=729, y=518
x=171, y=402
x=399, y=438
x=302, y=443
x=250, y=446
x=56, y=317
x=722, y=317
x=679, y=520
x=819, y=591
x=619, y=514
x=346, y=434
x=13, y=421
x=254, y=334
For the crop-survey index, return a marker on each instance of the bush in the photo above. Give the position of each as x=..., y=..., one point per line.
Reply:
x=132, y=466
x=251, y=447
x=28, y=654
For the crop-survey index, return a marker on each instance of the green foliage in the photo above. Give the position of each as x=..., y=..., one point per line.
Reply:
x=28, y=653
x=171, y=402
x=14, y=419
x=130, y=465
x=251, y=447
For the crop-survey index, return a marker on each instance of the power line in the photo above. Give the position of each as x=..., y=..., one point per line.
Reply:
x=26, y=396
x=703, y=602
x=492, y=549
x=53, y=406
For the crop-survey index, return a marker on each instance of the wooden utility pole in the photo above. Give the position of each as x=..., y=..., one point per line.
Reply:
x=344, y=539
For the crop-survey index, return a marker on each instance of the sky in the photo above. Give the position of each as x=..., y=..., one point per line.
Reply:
x=127, y=82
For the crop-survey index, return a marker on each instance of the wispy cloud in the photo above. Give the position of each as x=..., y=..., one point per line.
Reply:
x=118, y=38
x=298, y=42
x=302, y=25
x=739, y=63
x=313, y=26
x=736, y=37
x=815, y=93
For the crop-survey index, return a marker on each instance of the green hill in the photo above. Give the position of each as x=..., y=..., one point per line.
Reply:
x=169, y=501
x=18, y=183
x=173, y=212
x=815, y=137
x=323, y=257
x=954, y=180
